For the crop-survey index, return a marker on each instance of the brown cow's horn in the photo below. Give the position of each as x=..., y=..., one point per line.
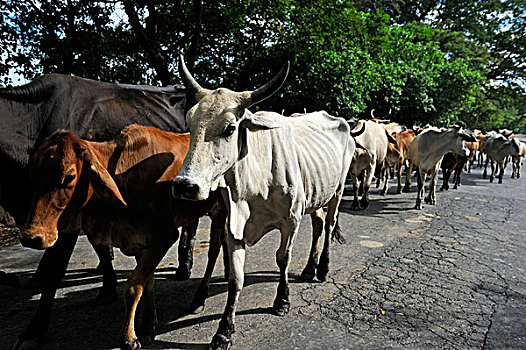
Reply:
x=188, y=80
x=269, y=88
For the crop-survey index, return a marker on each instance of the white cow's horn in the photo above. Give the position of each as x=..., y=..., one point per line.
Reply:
x=188, y=80
x=269, y=88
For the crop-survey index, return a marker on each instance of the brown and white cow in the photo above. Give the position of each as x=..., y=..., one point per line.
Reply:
x=118, y=193
x=426, y=152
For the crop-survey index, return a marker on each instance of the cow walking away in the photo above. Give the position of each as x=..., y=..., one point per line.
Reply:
x=371, y=152
x=271, y=170
x=498, y=148
x=517, y=161
x=118, y=193
x=426, y=152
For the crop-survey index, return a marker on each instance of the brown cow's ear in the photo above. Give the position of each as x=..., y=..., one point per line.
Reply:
x=100, y=179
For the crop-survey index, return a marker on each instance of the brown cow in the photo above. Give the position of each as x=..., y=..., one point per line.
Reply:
x=118, y=193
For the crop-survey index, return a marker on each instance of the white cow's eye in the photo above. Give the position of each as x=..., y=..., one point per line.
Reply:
x=229, y=130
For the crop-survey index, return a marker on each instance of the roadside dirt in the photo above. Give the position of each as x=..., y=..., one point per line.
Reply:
x=8, y=236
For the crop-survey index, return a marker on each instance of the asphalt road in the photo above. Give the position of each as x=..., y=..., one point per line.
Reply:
x=451, y=276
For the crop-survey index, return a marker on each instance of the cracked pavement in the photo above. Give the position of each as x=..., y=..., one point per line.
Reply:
x=451, y=276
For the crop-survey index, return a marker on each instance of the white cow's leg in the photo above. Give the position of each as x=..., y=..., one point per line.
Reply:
x=331, y=230
x=368, y=178
x=288, y=233
x=431, y=197
x=421, y=181
x=355, y=203
x=408, y=171
x=309, y=271
x=236, y=250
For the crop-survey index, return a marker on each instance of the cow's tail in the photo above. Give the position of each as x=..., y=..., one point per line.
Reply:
x=337, y=234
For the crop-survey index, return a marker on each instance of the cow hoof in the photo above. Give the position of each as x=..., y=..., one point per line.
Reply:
x=364, y=204
x=307, y=274
x=406, y=189
x=418, y=207
x=147, y=338
x=484, y=176
x=355, y=206
x=105, y=298
x=131, y=345
x=500, y=181
x=281, y=307
x=198, y=305
x=220, y=342
x=182, y=273
x=197, y=309
x=25, y=344
x=490, y=180
x=427, y=200
x=9, y=279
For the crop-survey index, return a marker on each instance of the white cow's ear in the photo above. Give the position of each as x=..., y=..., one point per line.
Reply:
x=258, y=122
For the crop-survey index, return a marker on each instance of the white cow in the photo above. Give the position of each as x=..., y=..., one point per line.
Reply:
x=498, y=148
x=372, y=152
x=426, y=152
x=271, y=170
x=517, y=161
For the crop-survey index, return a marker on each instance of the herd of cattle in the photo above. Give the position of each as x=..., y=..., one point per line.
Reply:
x=115, y=162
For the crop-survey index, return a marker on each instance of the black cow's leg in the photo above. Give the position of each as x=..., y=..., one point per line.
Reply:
x=217, y=237
x=309, y=271
x=223, y=337
x=52, y=268
x=185, y=251
x=107, y=293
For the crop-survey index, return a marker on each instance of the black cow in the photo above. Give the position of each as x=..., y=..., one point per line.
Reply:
x=95, y=111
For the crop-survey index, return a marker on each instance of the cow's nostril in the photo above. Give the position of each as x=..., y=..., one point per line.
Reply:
x=190, y=191
x=35, y=242
x=184, y=189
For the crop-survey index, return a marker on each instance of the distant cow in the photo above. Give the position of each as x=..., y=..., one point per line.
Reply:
x=454, y=163
x=426, y=152
x=517, y=161
x=118, y=193
x=371, y=153
x=271, y=170
x=498, y=148
x=397, y=155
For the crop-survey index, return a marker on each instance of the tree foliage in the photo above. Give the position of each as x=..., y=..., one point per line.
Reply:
x=428, y=61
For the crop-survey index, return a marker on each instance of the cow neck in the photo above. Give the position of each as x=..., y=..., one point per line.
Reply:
x=21, y=123
x=246, y=177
